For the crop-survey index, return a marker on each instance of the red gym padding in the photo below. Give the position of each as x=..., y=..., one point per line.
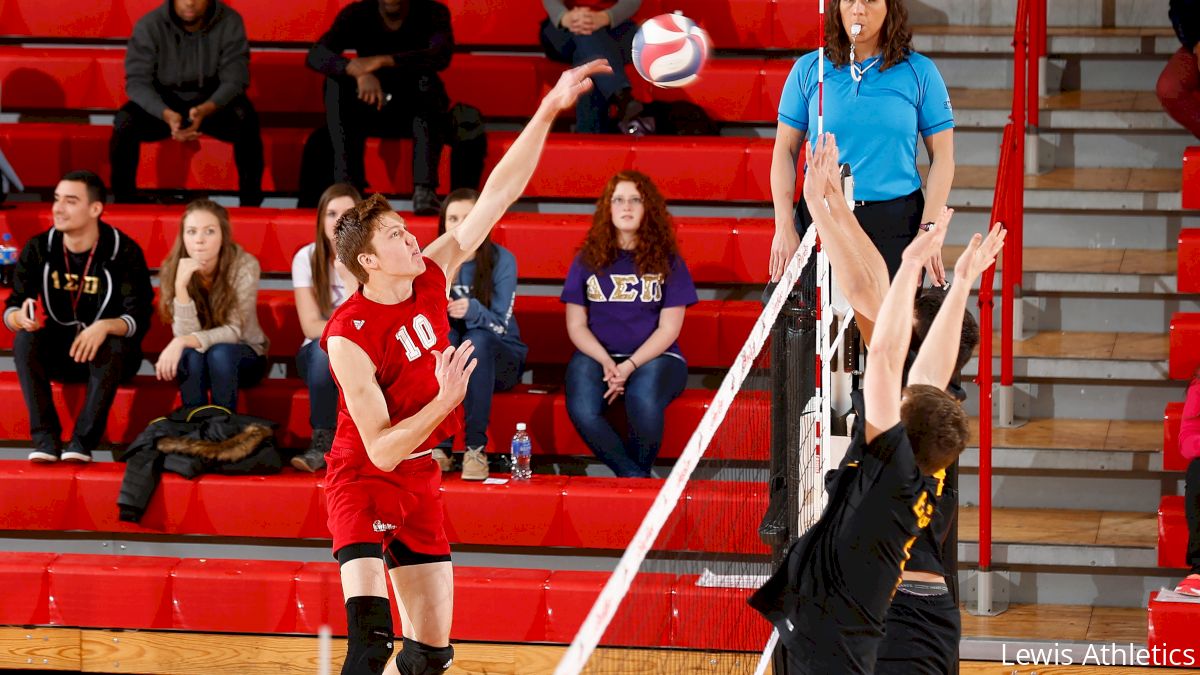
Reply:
x=258, y=596
x=1191, y=177
x=1188, y=261
x=1183, y=357
x=572, y=166
x=1172, y=533
x=1172, y=632
x=1172, y=460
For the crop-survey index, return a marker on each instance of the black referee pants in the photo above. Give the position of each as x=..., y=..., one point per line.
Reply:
x=891, y=225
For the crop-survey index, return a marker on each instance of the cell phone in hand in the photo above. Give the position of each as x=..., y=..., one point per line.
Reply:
x=31, y=311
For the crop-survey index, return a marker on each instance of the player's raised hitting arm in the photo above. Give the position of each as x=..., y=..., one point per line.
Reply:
x=893, y=334
x=938, y=356
x=508, y=180
x=387, y=444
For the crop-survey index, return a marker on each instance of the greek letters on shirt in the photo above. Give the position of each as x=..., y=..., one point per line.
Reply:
x=70, y=282
x=423, y=330
x=625, y=288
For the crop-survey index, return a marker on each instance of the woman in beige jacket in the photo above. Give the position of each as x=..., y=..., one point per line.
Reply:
x=209, y=295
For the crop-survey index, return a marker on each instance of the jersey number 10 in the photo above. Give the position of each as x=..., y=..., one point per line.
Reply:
x=424, y=331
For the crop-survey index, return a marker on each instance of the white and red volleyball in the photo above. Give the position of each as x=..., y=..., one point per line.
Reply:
x=669, y=50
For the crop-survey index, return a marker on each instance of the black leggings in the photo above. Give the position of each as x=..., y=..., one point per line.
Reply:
x=1191, y=507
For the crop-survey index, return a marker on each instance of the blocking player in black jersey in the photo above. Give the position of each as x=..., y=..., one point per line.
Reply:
x=830, y=596
x=923, y=628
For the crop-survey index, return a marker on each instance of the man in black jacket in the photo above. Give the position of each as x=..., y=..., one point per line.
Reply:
x=187, y=67
x=96, y=297
x=390, y=89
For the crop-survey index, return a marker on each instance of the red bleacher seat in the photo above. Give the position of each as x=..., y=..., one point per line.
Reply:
x=1191, y=177
x=102, y=591
x=1172, y=632
x=572, y=166
x=732, y=24
x=1184, y=355
x=502, y=86
x=1172, y=533
x=1187, y=273
x=717, y=250
x=549, y=511
x=1172, y=460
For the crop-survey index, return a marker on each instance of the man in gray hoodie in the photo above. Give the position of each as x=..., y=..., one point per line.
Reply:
x=187, y=67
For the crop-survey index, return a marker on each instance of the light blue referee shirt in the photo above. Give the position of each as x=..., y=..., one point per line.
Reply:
x=876, y=121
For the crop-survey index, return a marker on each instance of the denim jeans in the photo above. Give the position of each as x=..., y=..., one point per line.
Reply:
x=612, y=44
x=221, y=370
x=42, y=356
x=647, y=392
x=313, y=364
x=499, y=369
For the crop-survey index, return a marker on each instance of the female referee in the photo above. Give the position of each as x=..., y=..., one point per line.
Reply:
x=880, y=96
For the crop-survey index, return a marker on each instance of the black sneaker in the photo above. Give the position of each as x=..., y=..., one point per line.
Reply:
x=425, y=201
x=75, y=452
x=313, y=459
x=47, y=454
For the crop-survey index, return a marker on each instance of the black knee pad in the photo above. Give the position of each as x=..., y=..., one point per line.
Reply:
x=420, y=659
x=369, y=623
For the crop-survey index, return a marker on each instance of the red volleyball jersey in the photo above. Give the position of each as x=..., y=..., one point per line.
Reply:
x=399, y=340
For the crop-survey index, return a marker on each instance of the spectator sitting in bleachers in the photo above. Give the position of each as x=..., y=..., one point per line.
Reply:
x=578, y=31
x=1179, y=84
x=321, y=283
x=209, y=295
x=391, y=88
x=187, y=67
x=626, y=293
x=1189, y=447
x=481, y=310
x=97, y=301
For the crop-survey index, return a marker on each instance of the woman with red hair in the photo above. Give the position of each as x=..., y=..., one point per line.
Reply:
x=626, y=294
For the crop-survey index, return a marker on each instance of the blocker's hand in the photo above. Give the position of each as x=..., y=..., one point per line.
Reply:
x=980, y=254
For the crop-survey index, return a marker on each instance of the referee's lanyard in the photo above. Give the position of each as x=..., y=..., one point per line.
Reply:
x=82, y=281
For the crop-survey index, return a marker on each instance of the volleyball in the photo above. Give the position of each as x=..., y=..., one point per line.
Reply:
x=669, y=50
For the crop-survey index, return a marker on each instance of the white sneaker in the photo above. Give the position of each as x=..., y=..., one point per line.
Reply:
x=475, y=464
x=443, y=460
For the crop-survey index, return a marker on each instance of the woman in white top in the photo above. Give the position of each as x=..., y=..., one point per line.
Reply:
x=321, y=284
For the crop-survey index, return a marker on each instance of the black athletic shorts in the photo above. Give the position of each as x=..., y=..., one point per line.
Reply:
x=923, y=630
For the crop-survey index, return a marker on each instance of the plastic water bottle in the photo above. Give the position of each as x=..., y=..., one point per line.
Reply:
x=8, y=261
x=521, y=452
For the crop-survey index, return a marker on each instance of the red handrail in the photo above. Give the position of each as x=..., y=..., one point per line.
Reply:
x=1008, y=208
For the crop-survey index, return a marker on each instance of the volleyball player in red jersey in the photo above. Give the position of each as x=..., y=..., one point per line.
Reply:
x=401, y=383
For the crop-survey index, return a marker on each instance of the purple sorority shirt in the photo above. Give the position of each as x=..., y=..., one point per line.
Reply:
x=623, y=306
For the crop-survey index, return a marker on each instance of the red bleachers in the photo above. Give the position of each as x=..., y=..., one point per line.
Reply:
x=502, y=86
x=285, y=401
x=1191, y=177
x=1187, y=273
x=717, y=250
x=285, y=597
x=732, y=24
x=1172, y=631
x=550, y=511
x=1185, y=336
x=1172, y=533
x=572, y=165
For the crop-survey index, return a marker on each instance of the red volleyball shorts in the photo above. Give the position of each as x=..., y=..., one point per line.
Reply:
x=405, y=505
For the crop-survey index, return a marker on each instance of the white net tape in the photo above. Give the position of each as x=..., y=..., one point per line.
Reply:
x=618, y=584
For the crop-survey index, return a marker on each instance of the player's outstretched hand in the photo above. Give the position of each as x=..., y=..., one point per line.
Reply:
x=926, y=244
x=823, y=180
x=980, y=254
x=574, y=83
x=453, y=369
